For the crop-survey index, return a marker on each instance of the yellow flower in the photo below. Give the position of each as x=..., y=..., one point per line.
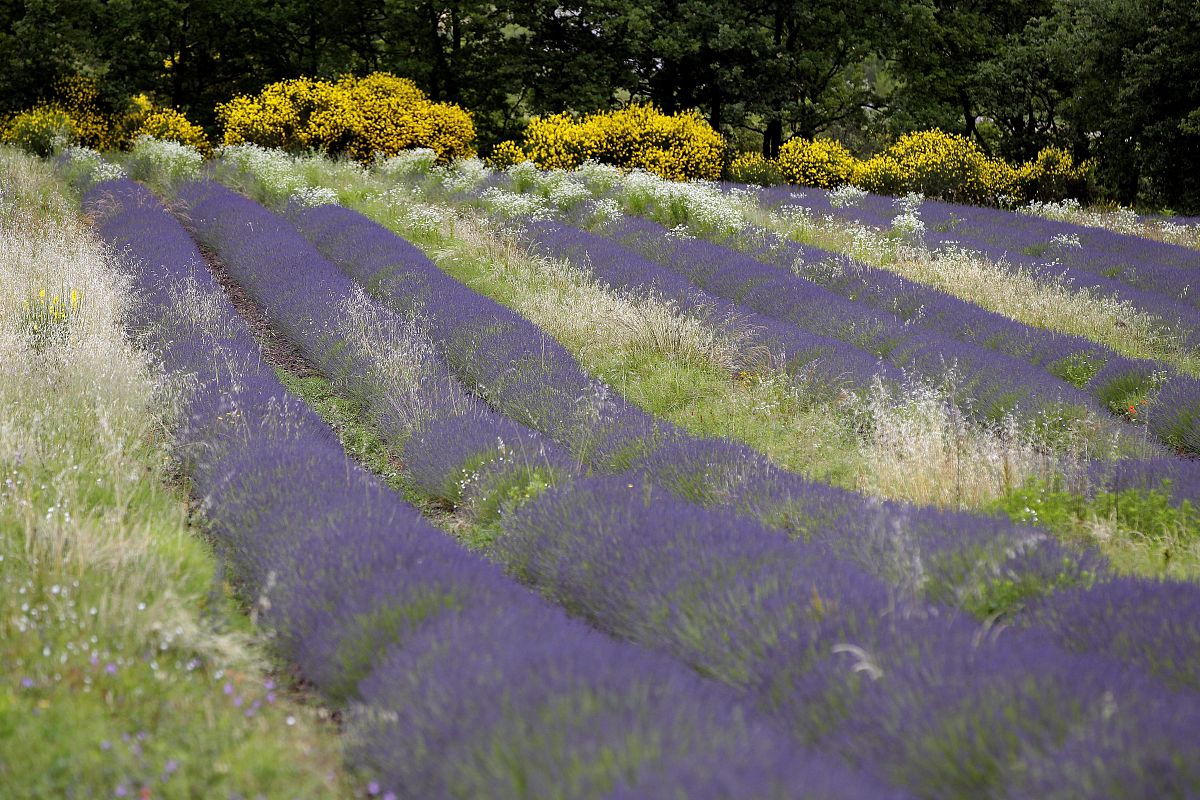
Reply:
x=677, y=147
x=360, y=117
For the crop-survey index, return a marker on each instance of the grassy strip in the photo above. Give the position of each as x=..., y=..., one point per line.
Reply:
x=1141, y=532
x=129, y=671
x=1015, y=294
x=365, y=445
x=905, y=448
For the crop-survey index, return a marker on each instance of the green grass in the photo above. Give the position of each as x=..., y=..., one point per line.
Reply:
x=366, y=446
x=1139, y=531
x=128, y=665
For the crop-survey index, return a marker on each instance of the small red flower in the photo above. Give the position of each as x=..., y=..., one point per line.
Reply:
x=1132, y=410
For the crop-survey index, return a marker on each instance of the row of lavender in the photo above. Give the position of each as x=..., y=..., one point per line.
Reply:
x=844, y=297
x=918, y=328
x=531, y=378
x=446, y=663
x=1153, y=276
x=809, y=636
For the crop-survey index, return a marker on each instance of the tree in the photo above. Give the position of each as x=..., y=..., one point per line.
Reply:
x=1135, y=95
x=950, y=60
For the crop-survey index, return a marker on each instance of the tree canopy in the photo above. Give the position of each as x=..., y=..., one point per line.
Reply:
x=1114, y=80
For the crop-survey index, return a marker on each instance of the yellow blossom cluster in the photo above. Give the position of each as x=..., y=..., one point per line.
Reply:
x=815, y=162
x=71, y=117
x=935, y=164
x=1052, y=176
x=75, y=116
x=358, y=117
x=755, y=168
x=938, y=164
x=166, y=124
x=79, y=96
x=48, y=316
x=506, y=154
x=678, y=147
x=41, y=130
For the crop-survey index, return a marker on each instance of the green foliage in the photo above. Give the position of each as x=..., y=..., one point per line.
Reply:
x=1149, y=533
x=1126, y=393
x=1076, y=369
x=1006, y=595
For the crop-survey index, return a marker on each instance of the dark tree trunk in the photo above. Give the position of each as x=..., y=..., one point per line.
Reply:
x=439, y=71
x=773, y=138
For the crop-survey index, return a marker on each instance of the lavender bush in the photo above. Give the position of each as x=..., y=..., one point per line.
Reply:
x=358, y=586
x=306, y=297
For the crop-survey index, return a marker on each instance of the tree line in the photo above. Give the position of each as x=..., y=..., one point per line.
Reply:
x=1113, y=80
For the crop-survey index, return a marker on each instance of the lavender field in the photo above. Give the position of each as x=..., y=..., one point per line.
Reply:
x=586, y=484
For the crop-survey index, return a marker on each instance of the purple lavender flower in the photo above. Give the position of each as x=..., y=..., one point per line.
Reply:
x=356, y=583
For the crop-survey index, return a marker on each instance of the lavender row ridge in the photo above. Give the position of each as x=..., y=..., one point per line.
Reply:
x=1057, y=258
x=532, y=545
x=540, y=383
x=372, y=602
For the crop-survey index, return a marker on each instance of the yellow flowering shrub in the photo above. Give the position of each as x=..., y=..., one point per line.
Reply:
x=933, y=163
x=169, y=125
x=80, y=97
x=278, y=116
x=41, y=130
x=823, y=163
x=558, y=142
x=755, y=168
x=505, y=154
x=879, y=174
x=679, y=146
x=1052, y=175
x=72, y=117
x=952, y=167
x=358, y=117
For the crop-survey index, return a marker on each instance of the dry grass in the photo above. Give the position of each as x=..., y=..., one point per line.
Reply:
x=921, y=448
x=113, y=618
